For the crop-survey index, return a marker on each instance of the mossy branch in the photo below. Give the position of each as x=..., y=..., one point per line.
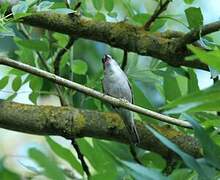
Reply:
x=70, y=122
x=121, y=35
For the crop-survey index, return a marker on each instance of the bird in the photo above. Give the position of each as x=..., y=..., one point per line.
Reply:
x=116, y=84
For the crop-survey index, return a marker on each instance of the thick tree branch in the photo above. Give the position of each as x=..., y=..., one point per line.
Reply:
x=70, y=122
x=90, y=92
x=121, y=35
x=195, y=34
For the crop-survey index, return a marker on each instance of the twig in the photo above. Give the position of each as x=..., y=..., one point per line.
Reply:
x=90, y=92
x=61, y=53
x=134, y=154
x=81, y=157
x=195, y=34
x=216, y=80
x=159, y=9
x=125, y=60
x=43, y=62
x=57, y=72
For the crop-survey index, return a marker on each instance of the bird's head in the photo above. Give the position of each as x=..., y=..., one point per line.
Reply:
x=106, y=59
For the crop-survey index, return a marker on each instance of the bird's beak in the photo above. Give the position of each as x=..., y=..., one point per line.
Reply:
x=106, y=58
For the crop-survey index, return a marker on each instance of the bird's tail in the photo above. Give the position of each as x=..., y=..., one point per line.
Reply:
x=134, y=134
x=130, y=125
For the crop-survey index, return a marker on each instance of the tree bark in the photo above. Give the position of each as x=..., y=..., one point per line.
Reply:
x=70, y=122
x=121, y=35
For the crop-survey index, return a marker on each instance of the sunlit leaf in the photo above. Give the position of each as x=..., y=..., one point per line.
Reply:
x=37, y=45
x=4, y=82
x=203, y=170
x=20, y=7
x=79, y=67
x=97, y=4
x=99, y=16
x=64, y=10
x=50, y=167
x=211, y=150
x=44, y=6
x=189, y=1
x=194, y=17
x=109, y=4
x=16, y=84
x=192, y=82
x=211, y=58
x=65, y=154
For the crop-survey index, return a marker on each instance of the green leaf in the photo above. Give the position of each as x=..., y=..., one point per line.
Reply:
x=97, y=4
x=202, y=170
x=33, y=97
x=189, y=1
x=204, y=96
x=171, y=87
x=65, y=154
x=35, y=83
x=128, y=7
x=211, y=150
x=192, y=82
x=50, y=167
x=99, y=16
x=79, y=67
x=64, y=11
x=97, y=156
x=10, y=98
x=141, y=172
x=194, y=17
x=16, y=84
x=61, y=39
x=38, y=45
x=109, y=4
x=20, y=7
x=113, y=14
x=44, y=6
x=182, y=174
x=159, y=23
x=153, y=160
x=211, y=58
x=140, y=18
x=133, y=169
x=4, y=82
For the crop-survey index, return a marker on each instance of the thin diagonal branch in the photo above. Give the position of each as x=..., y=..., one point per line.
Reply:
x=159, y=9
x=43, y=62
x=60, y=55
x=81, y=157
x=57, y=72
x=90, y=92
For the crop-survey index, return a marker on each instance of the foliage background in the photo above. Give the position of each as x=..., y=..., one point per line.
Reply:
x=176, y=91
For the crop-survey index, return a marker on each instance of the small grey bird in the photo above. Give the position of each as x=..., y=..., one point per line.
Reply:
x=116, y=84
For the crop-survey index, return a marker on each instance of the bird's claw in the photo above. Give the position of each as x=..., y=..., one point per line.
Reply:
x=123, y=100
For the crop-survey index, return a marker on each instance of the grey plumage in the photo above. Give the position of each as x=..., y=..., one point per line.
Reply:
x=116, y=84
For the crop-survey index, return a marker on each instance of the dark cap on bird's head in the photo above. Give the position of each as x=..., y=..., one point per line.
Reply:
x=106, y=58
